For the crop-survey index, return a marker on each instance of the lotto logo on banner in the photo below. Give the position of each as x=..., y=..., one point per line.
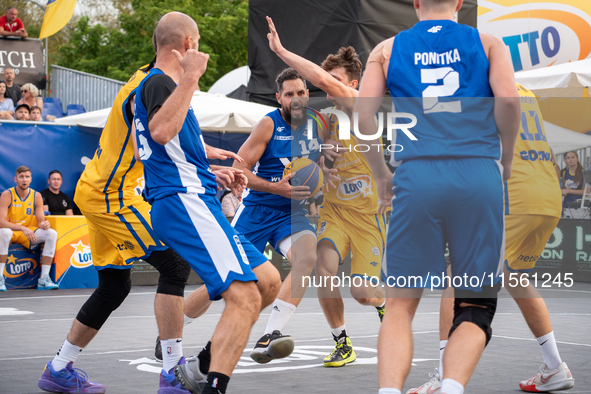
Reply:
x=22, y=267
x=539, y=34
x=81, y=257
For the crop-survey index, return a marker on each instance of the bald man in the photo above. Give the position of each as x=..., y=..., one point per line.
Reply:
x=186, y=214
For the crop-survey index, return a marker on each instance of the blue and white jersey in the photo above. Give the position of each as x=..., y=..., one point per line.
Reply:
x=179, y=166
x=438, y=71
x=284, y=146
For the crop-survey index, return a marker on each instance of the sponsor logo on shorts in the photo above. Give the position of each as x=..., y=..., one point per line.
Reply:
x=241, y=250
x=374, y=263
x=321, y=228
x=81, y=257
x=19, y=267
x=375, y=250
x=128, y=245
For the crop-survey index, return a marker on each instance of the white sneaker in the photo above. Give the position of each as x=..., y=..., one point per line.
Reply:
x=2, y=284
x=45, y=283
x=433, y=386
x=549, y=380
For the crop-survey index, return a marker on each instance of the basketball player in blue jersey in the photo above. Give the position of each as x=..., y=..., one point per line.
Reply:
x=272, y=209
x=182, y=189
x=449, y=185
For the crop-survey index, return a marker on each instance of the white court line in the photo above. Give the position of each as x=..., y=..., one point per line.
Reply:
x=62, y=296
x=252, y=344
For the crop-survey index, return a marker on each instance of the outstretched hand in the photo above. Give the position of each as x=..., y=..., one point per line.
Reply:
x=274, y=41
x=220, y=154
x=193, y=62
x=330, y=176
x=231, y=178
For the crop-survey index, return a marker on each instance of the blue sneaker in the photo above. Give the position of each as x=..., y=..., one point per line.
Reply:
x=68, y=380
x=169, y=384
x=2, y=283
x=45, y=283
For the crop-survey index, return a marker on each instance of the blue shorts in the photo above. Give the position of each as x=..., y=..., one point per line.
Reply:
x=261, y=224
x=458, y=201
x=195, y=227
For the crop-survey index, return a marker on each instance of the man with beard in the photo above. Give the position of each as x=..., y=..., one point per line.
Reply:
x=272, y=210
x=13, y=90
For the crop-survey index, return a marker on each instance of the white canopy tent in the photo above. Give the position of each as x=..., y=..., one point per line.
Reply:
x=214, y=112
x=564, y=80
x=562, y=140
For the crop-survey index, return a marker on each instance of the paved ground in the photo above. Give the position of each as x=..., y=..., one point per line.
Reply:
x=34, y=324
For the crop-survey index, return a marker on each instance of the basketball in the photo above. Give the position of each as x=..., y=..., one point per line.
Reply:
x=307, y=173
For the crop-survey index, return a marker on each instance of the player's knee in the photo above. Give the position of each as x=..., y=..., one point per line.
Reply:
x=5, y=234
x=306, y=260
x=248, y=300
x=51, y=235
x=174, y=272
x=269, y=281
x=114, y=286
x=361, y=295
x=478, y=311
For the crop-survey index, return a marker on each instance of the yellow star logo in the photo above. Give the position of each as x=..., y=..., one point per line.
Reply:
x=79, y=246
x=11, y=259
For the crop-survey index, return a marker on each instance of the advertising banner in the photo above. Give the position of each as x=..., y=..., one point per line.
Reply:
x=539, y=33
x=26, y=58
x=73, y=258
x=22, y=267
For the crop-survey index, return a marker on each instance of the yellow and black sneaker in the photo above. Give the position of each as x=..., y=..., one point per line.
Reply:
x=381, y=310
x=343, y=352
x=272, y=346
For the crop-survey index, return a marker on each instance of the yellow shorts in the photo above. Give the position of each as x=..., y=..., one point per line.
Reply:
x=525, y=239
x=364, y=235
x=118, y=239
x=18, y=237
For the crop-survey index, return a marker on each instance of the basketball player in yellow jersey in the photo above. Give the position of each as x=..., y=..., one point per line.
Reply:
x=349, y=219
x=533, y=206
x=22, y=221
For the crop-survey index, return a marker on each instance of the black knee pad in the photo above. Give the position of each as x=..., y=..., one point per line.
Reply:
x=174, y=272
x=114, y=286
x=481, y=314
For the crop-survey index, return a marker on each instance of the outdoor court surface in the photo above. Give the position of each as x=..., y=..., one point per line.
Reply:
x=33, y=325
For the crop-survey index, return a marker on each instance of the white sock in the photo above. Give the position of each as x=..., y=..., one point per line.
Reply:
x=280, y=315
x=549, y=350
x=67, y=353
x=450, y=386
x=389, y=391
x=187, y=320
x=45, y=270
x=172, y=351
x=442, y=345
x=2, y=268
x=337, y=331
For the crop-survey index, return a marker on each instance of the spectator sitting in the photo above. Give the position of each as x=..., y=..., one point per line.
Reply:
x=10, y=25
x=6, y=104
x=35, y=114
x=230, y=203
x=572, y=179
x=30, y=93
x=54, y=200
x=20, y=206
x=22, y=112
x=13, y=90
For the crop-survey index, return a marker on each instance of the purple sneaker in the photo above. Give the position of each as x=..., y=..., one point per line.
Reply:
x=169, y=384
x=68, y=380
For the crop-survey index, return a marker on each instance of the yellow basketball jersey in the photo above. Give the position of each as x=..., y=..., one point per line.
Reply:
x=22, y=212
x=357, y=189
x=533, y=188
x=113, y=175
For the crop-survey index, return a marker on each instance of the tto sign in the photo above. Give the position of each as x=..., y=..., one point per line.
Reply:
x=539, y=34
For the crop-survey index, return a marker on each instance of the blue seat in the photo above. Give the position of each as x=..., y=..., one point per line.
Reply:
x=51, y=109
x=54, y=100
x=75, y=109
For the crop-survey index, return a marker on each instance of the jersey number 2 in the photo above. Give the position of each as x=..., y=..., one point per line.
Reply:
x=451, y=83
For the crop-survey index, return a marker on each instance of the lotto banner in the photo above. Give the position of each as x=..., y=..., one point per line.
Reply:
x=539, y=33
x=73, y=259
x=22, y=267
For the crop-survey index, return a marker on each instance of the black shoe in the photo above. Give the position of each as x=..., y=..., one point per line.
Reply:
x=158, y=350
x=343, y=352
x=381, y=310
x=272, y=346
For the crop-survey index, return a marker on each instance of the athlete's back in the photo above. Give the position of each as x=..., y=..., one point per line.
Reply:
x=439, y=72
x=113, y=175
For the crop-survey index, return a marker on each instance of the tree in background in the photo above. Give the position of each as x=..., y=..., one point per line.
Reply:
x=116, y=51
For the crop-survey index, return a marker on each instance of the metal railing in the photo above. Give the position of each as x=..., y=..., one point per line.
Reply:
x=77, y=87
